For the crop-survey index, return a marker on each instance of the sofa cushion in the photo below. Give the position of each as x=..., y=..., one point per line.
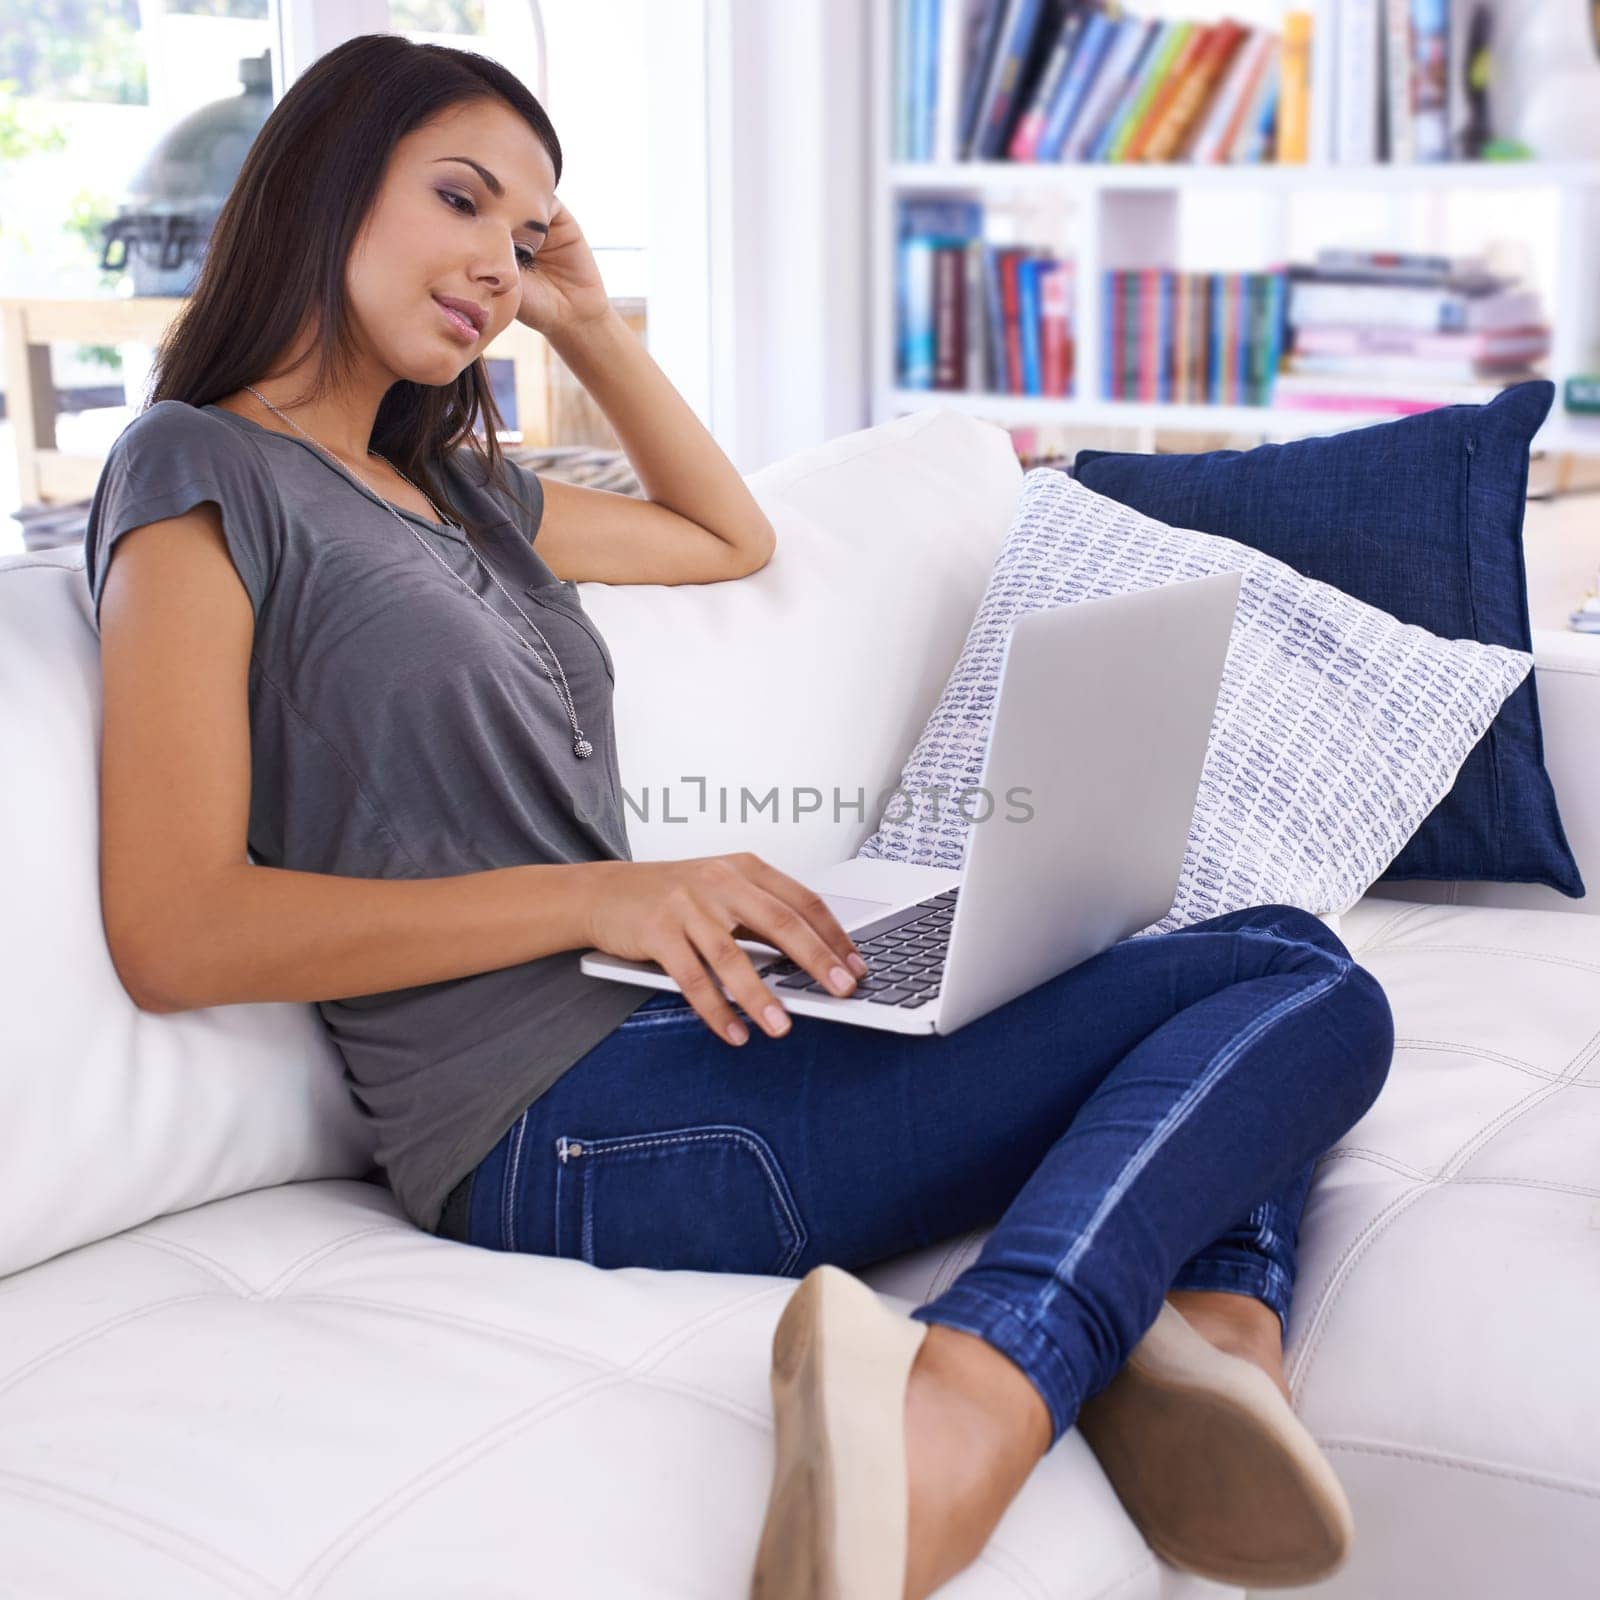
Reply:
x=772, y=714
x=115, y=1115
x=1421, y=517
x=1336, y=731
x=295, y=1392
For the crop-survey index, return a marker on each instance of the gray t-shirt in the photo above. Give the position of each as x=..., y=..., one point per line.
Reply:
x=398, y=730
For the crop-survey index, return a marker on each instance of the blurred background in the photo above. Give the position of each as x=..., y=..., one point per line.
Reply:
x=1169, y=225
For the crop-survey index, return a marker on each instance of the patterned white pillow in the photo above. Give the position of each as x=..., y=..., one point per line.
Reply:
x=1338, y=728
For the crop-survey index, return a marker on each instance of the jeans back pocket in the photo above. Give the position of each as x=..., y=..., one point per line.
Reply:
x=710, y=1198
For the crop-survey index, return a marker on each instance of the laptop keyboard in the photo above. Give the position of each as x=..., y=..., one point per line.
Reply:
x=905, y=953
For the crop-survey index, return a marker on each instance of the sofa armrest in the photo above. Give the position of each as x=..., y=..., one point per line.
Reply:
x=1567, y=673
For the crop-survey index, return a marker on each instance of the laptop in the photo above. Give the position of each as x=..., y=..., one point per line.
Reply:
x=1090, y=775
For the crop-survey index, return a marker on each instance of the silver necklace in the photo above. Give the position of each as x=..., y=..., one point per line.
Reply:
x=580, y=746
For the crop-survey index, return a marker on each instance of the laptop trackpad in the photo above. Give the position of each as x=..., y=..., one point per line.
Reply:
x=851, y=912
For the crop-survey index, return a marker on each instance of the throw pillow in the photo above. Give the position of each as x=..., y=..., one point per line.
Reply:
x=1421, y=517
x=1338, y=727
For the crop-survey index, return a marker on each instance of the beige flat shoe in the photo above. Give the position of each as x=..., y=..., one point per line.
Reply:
x=1214, y=1467
x=837, y=1514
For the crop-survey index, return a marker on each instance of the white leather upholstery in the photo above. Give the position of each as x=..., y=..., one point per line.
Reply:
x=110, y=1115
x=289, y=1391
x=294, y=1392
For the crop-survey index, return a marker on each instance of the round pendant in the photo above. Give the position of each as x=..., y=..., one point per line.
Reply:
x=582, y=749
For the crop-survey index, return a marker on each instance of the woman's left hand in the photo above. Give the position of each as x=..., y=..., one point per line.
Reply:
x=563, y=287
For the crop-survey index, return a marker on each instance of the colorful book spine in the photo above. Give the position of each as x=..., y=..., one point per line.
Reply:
x=1294, y=92
x=1005, y=82
x=1125, y=92
x=1198, y=86
x=1028, y=323
x=986, y=39
x=1009, y=299
x=1110, y=334
x=1025, y=139
x=1163, y=375
x=998, y=380
x=1255, y=143
x=1192, y=42
x=976, y=377
x=949, y=331
x=904, y=38
x=1169, y=40
x=1094, y=41
x=1055, y=324
x=1210, y=143
x=1430, y=46
x=1239, y=133
x=924, y=20
x=1399, y=97
x=1128, y=38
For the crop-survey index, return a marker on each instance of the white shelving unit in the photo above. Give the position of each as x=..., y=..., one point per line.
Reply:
x=1109, y=216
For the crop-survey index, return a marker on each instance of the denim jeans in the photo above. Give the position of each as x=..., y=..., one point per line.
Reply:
x=1146, y=1120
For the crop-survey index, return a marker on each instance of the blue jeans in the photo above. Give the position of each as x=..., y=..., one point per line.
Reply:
x=1147, y=1120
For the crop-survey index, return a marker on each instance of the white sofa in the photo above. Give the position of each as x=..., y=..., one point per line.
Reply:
x=230, y=1367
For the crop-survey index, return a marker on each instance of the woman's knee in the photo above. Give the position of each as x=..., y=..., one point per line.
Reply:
x=1370, y=1019
x=1303, y=927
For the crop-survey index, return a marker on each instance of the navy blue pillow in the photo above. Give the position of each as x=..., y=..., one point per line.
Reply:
x=1421, y=517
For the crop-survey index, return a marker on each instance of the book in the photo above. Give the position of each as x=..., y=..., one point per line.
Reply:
x=1356, y=89
x=974, y=318
x=904, y=41
x=1492, y=347
x=1238, y=83
x=1199, y=84
x=949, y=327
x=1030, y=126
x=1130, y=38
x=1094, y=41
x=1127, y=91
x=1260, y=90
x=1254, y=142
x=1055, y=297
x=1399, y=117
x=1322, y=143
x=1169, y=39
x=1430, y=75
x=1010, y=302
x=1022, y=53
x=1028, y=311
x=1363, y=394
x=925, y=228
x=1424, y=309
x=987, y=26
x=1294, y=94
x=1171, y=80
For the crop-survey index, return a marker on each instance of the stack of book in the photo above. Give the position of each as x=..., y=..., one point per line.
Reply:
x=1346, y=81
x=993, y=319
x=1192, y=337
x=1393, y=333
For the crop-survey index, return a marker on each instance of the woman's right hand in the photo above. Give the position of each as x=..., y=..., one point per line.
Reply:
x=685, y=915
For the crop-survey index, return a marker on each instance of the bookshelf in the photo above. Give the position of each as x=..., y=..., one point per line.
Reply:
x=1123, y=215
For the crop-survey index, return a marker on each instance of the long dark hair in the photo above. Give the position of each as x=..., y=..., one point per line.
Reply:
x=284, y=235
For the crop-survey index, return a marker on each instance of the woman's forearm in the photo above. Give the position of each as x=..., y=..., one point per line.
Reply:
x=678, y=464
x=267, y=933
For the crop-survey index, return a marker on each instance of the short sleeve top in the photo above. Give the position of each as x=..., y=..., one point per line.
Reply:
x=400, y=730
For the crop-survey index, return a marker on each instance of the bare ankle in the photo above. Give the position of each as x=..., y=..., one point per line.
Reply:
x=975, y=1427
x=998, y=1397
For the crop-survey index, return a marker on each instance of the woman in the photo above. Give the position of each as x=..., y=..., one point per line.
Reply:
x=340, y=631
